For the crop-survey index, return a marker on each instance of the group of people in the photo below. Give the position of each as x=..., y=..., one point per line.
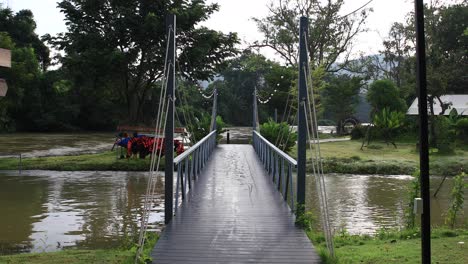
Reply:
x=143, y=145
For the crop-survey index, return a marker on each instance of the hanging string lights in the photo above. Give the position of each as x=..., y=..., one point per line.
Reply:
x=265, y=100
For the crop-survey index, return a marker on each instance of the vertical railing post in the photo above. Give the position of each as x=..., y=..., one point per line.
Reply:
x=213, y=125
x=254, y=110
x=186, y=171
x=169, y=133
x=302, y=101
x=421, y=82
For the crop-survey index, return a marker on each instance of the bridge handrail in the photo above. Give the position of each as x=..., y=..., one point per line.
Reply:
x=189, y=151
x=279, y=166
x=276, y=149
x=190, y=164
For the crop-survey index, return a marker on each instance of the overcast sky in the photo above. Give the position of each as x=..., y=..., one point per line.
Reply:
x=235, y=16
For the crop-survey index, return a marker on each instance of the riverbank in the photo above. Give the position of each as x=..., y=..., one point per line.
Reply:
x=379, y=158
x=448, y=246
x=125, y=255
x=338, y=157
x=105, y=161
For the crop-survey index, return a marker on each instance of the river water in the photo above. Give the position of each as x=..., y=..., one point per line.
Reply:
x=362, y=204
x=48, y=144
x=49, y=210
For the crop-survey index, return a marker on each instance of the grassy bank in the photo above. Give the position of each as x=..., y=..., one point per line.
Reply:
x=105, y=161
x=394, y=247
x=109, y=256
x=339, y=157
x=347, y=157
x=72, y=256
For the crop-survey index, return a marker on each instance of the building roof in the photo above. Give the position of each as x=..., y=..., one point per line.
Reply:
x=457, y=101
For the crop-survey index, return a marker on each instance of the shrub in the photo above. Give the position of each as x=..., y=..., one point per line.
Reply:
x=279, y=134
x=389, y=123
x=202, y=128
x=358, y=132
x=462, y=129
x=458, y=198
x=445, y=133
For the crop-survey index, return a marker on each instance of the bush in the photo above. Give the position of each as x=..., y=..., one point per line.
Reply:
x=358, y=132
x=202, y=128
x=445, y=134
x=279, y=134
x=462, y=129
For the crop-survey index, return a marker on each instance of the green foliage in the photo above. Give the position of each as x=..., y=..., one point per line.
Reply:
x=150, y=242
x=358, y=132
x=462, y=129
x=279, y=134
x=106, y=161
x=457, y=199
x=124, y=64
x=202, y=127
x=243, y=74
x=340, y=97
x=20, y=27
x=445, y=132
x=304, y=219
x=384, y=94
x=389, y=123
x=414, y=191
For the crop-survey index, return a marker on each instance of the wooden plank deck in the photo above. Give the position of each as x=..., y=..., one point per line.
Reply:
x=234, y=215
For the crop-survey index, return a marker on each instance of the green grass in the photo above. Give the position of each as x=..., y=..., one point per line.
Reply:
x=109, y=256
x=378, y=158
x=394, y=247
x=72, y=256
x=105, y=161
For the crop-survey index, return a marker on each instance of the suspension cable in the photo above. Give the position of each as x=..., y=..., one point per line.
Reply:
x=317, y=159
x=313, y=134
x=161, y=117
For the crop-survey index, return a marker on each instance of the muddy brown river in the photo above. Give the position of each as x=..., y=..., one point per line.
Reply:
x=49, y=210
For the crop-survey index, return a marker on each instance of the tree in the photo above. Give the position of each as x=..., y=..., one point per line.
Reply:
x=23, y=101
x=243, y=74
x=341, y=96
x=115, y=50
x=384, y=94
x=21, y=27
x=330, y=34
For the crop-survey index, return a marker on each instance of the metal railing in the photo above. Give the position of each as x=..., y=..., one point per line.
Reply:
x=190, y=164
x=278, y=164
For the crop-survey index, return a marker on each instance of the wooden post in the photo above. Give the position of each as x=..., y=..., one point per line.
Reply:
x=421, y=82
x=169, y=133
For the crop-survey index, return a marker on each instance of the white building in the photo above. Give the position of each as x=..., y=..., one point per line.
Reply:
x=456, y=101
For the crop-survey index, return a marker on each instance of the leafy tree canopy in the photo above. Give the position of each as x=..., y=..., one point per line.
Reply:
x=122, y=44
x=384, y=94
x=20, y=28
x=341, y=96
x=330, y=34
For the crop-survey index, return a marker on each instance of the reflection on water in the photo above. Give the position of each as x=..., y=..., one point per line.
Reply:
x=47, y=144
x=47, y=211
x=364, y=203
